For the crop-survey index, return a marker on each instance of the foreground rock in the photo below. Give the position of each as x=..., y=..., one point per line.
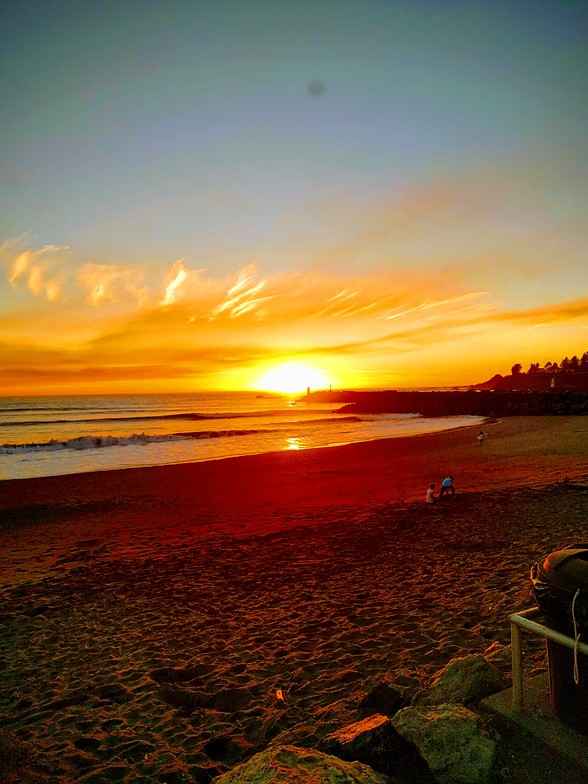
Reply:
x=292, y=765
x=375, y=742
x=453, y=741
x=465, y=680
x=384, y=699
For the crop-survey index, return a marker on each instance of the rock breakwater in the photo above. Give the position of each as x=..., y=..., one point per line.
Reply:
x=489, y=403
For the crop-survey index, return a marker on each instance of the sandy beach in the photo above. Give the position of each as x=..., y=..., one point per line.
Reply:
x=150, y=616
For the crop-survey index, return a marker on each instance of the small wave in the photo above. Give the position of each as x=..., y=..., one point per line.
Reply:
x=38, y=408
x=330, y=420
x=102, y=420
x=190, y=416
x=98, y=442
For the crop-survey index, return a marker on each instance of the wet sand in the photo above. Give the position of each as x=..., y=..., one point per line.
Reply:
x=150, y=616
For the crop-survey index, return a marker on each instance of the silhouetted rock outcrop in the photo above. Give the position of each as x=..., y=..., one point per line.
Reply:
x=538, y=381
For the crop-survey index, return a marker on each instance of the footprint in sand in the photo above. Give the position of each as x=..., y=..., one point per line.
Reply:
x=180, y=674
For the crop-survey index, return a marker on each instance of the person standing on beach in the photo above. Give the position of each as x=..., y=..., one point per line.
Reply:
x=430, y=498
x=447, y=486
x=481, y=436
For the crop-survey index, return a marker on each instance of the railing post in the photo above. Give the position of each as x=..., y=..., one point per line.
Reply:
x=517, y=666
x=522, y=621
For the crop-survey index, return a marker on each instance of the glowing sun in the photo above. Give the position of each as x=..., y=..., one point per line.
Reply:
x=292, y=377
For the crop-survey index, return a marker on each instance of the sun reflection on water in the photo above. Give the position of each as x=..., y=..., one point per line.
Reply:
x=293, y=443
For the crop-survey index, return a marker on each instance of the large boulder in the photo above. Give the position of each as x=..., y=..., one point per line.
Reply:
x=291, y=765
x=453, y=741
x=384, y=699
x=465, y=680
x=375, y=742
x=325, y=719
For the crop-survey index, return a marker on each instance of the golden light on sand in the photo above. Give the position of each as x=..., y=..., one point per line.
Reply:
x=292, y=377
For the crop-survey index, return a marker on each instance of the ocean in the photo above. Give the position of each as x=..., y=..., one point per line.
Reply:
x=49, y=436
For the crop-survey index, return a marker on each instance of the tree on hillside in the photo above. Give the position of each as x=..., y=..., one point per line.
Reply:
x=566, y=365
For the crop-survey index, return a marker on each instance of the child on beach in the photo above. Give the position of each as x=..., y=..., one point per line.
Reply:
x=447, y=486
x=430, y=498
x=481, y=437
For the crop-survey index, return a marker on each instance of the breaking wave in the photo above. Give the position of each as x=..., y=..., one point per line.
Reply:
x=98, y=442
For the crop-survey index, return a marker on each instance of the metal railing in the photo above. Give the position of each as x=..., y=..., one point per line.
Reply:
x=522, y=620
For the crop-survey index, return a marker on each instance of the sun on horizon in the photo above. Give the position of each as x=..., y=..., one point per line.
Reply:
x=291, y=377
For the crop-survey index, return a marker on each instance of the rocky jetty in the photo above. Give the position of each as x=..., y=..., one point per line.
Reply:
x=488, y=403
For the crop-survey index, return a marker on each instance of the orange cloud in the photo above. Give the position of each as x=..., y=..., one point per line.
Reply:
x=557, y=313
x=33, y=266
x=104, y=283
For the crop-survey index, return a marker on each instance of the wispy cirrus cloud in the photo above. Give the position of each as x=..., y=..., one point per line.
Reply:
x=107, y=283
x=243, y=297
x=37, y=268
x=176, y=277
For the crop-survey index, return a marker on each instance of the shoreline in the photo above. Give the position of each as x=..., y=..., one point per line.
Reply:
x=421, y=458
x=150, y=615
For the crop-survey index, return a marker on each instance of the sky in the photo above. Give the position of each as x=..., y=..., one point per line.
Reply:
x=371, y=193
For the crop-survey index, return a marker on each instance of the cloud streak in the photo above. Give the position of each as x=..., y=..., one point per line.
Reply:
x=175, y=279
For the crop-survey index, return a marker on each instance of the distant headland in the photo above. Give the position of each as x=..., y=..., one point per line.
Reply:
x=564, y=375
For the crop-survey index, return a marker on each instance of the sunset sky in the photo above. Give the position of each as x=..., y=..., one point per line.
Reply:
x=392, y=194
